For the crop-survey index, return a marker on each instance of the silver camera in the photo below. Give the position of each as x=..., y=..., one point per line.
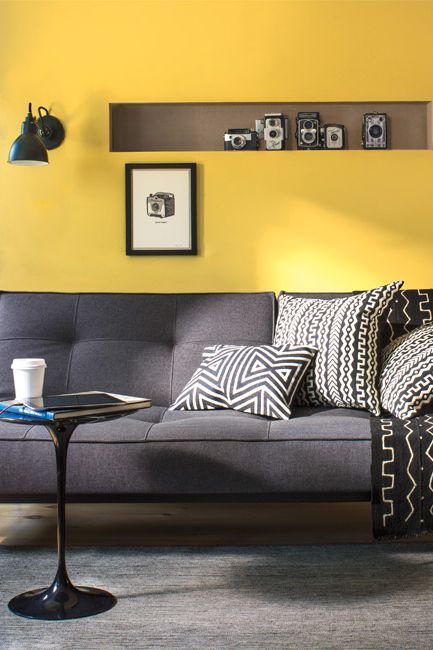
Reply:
x=160, y=204
x=274, y=127
x=238, y=139
x=375, y=131
x=333, y=136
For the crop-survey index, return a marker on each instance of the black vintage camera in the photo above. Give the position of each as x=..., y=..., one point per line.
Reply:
x=333, y=136
x=375, y=131
x=241, y=139
x=160, y=204
x=308, y=131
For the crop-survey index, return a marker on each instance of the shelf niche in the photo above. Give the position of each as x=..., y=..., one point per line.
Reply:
x=201, y=126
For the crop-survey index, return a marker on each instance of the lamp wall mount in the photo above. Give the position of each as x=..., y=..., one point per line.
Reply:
x=50, y=129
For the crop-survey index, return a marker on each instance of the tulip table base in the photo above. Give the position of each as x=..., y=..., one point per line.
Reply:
x=62, y=601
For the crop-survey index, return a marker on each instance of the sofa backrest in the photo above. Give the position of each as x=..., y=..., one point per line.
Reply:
x=137, y=344
x=148, y=344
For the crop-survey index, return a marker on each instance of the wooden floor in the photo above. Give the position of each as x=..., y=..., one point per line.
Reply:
x=189, y=524
x=186, y=523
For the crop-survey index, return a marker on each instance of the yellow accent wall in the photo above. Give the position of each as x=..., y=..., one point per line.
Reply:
x=298, y=220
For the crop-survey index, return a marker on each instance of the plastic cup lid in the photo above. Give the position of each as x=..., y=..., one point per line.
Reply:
x=24, y=364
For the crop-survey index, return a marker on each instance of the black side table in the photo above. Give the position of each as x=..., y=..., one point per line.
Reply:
x=62, y=600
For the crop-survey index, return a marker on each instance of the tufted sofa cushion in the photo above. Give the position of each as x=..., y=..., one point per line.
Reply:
x=138, y=344
x=319, y=454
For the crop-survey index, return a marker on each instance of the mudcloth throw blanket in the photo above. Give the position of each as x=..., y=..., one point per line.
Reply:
x=402, y=450
x=402, y=476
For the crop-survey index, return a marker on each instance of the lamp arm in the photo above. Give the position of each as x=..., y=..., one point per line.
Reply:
x=45, y=130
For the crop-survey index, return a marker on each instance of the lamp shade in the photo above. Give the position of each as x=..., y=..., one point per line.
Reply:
x=28, y=148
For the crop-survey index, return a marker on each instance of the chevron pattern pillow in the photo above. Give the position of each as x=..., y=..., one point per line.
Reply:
x=406, y=380
x=261, y=379
x=347, y=335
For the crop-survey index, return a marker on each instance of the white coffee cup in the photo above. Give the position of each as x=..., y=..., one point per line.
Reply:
x=28, y=377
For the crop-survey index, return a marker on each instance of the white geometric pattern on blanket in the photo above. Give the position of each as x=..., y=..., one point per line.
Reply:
x=254, y=379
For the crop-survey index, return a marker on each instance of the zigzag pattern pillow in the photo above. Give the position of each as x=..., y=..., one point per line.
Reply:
x=347, y=335
x=406, y=380
x=261, y=379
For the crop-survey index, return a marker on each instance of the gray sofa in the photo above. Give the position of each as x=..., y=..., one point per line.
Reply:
x=149, y=345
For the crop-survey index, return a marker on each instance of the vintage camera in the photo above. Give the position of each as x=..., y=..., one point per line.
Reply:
x=274, y=128
x=308, y=131
x=160, y=204
x=375, y=131
x=241, y=139
x=332, y=136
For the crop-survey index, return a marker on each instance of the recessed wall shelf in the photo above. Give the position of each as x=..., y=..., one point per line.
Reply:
x=201, y=126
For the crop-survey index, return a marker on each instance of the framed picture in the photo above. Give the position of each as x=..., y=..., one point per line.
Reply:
x=161, y=209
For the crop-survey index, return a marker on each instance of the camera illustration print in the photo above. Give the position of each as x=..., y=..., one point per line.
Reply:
x=161, y=208
x=160, y=205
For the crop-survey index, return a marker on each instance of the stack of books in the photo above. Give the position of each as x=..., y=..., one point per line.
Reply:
x=69, y=405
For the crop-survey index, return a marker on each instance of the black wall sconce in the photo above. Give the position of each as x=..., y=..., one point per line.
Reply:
x=30, y=148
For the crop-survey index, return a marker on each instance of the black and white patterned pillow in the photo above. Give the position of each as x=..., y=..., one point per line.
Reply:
x=406, y=380
x=347, y=335
x=261, y=379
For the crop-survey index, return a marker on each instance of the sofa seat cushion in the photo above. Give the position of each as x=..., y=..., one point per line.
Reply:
x=127, y=429
x=307, y=423
x=315, y=423
x=173, y=416
x=299, y=470
x=210, y=425
x=321, y=454
x=152, y=414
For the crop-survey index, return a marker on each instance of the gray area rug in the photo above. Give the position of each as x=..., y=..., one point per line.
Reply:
x=351, y=597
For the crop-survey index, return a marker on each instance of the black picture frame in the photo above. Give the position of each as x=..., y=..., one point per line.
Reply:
x=132, y=247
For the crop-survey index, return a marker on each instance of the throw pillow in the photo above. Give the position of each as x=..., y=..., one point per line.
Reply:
x=406, y=380
x=261, y=379
x=347, y=334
